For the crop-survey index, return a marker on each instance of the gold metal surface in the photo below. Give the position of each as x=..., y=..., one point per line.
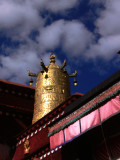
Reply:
x=52, y=88
x=26, y=147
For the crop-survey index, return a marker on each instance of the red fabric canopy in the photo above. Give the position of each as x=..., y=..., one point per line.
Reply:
x=87, y=122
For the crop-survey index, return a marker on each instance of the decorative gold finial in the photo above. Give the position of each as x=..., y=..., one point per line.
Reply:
x=52, y=58
x=52, y=87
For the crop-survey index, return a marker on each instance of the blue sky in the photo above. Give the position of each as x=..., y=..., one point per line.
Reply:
x=85, y=32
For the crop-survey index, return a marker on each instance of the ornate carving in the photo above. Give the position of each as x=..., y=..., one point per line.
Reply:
x=26, y=147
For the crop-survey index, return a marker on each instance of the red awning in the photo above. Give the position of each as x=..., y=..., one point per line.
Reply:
x=86, y=123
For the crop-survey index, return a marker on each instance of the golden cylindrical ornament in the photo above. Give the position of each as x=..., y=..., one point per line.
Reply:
x=52, y=88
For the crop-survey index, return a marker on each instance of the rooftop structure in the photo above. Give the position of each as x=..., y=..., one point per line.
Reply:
x=81, y=127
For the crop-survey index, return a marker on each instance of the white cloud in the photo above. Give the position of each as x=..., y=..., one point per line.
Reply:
x=76, y=38
x=71, y=35
x=12, y=14
x=54, y=5
x=107, y=25
x=106, y=48
x=15, y=66
x=18, y=20
x=51, y=35
x=62, y=5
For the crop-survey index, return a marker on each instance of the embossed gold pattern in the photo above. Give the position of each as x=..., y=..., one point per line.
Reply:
x=52, y=88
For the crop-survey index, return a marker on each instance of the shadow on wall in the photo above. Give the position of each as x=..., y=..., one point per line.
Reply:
x=5, y=152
